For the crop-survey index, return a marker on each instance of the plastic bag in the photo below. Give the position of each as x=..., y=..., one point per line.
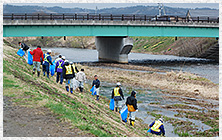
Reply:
x=93, y=90
x=52, y=69
x=20, y=52
x=124, y=113
x=111, y=104
x=30, y=59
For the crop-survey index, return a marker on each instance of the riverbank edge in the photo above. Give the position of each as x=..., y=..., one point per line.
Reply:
x=92, y=117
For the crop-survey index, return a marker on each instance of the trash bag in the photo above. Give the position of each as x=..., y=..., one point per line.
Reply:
x=52, y=69
x=20, y=52
x=75, y=84
x=93, y=90
x=30, y=59
x=111, y=104
x=124, y=113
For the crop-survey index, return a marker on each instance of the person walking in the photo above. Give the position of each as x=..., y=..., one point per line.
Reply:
x=37, y=56
x=59, y=58
x=81, y=77
x=74, y=67
x=47, y=61
x=96, y=83
x=117, y=95
x=25, y=48
x=131, y=103
x=156, y=127
x=68, y=75
x=59, y=68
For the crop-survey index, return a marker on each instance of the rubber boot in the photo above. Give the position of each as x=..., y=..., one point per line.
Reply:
x=67, y=88
x=33, y=71
x=71, y=90
x=38, y=74
x=130, y=122
x=81, y=89
x=116, y=109
x=133, y=122
x=97, y=97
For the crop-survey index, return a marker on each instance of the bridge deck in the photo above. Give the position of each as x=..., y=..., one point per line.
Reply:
x=22, y=28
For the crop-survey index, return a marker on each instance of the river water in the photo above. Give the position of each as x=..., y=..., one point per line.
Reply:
x=146, y=97
x=201, y=67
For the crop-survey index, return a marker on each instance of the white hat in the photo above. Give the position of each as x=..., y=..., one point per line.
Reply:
x=118, y=84
x=63, y=57
x=66, y=60
x=161, y=119
x=71, y=63
x=49, y=51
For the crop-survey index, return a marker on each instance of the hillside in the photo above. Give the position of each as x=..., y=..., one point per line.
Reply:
x=45, y=100
x=140, y=9
x=183, y=46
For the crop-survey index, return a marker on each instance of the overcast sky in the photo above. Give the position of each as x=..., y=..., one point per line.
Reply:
x=109, y=5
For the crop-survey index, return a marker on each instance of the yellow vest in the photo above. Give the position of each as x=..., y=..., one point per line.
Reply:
x=68, y=69
x=116, y=91
x=156, y=126
x=45, y=59
x=73, y=65
x=60, y=65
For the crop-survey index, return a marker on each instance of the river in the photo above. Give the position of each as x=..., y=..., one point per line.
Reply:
x=153, y=100
x=201, y=67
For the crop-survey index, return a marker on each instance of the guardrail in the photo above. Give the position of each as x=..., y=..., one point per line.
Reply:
x=110, y=17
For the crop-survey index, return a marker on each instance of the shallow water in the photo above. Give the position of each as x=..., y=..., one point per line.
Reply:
x=202, y=67
x=147, y=96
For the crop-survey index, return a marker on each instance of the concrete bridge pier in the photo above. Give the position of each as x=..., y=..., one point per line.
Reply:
x=114, y=49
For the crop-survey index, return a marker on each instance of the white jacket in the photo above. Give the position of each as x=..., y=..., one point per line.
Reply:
x=81, y=76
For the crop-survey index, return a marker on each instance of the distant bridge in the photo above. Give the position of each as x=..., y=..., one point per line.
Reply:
x=110, y=30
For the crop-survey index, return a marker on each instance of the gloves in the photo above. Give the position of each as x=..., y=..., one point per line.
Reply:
x=137, y=110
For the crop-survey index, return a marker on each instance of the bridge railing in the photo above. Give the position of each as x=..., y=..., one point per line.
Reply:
x=109, y=17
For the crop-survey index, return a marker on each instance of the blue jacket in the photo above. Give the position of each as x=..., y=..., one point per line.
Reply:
x=161, y=129
x=96, y=82
x=49, y=58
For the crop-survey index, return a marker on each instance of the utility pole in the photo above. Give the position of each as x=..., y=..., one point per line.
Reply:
x=159, y=10
x=164, y=12
x=161, y=7
x=96, y=10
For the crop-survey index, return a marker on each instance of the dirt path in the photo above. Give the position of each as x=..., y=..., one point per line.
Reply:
x=31, y=122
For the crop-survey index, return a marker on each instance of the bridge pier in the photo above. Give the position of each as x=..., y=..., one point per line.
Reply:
x=114, y=49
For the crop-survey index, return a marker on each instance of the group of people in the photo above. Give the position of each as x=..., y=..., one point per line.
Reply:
x=131, y=102
x=155, y=127
x=67, y=71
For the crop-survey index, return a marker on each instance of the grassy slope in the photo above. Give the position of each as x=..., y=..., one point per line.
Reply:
x=81, y=110
x=183, y=46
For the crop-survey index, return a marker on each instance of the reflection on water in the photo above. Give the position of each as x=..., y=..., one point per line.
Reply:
x=201, y=67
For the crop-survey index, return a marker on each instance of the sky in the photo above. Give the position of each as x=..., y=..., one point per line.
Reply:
x=117, y=5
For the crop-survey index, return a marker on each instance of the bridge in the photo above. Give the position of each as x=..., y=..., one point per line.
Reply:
x=112, y=31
